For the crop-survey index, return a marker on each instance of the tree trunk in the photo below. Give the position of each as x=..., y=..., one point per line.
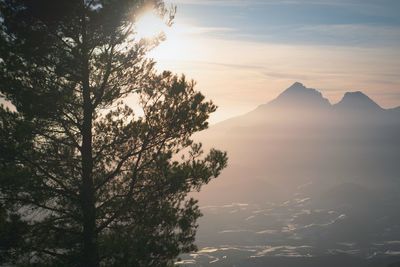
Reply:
x=90, y=249
x=90, y=256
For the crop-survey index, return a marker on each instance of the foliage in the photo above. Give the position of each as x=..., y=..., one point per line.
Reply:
x=85, y=181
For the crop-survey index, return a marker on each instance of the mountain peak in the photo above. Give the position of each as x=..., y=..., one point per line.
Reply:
x=357, y=100
x=297, y=95
x=297, y=85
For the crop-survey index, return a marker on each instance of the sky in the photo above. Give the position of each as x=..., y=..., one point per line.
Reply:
x=244, y=53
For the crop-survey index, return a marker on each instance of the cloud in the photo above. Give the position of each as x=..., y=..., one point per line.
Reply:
x=264, y=2
x=350, y=34
x=240, y=75
x=243, y=53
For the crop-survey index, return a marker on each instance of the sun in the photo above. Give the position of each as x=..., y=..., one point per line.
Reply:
x=178, y=45
x=150, y=25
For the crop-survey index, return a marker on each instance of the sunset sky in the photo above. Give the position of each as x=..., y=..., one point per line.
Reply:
x=244, y=53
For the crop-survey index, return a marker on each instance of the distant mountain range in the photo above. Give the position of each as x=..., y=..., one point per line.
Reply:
x=312, y=178
x=300, y=100
x=299, y=96
x=300, y=136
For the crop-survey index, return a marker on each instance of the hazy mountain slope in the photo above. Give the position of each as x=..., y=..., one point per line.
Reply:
x=308, y=184
x=300, y=137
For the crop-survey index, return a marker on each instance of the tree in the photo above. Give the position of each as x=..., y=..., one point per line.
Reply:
x=84, y=180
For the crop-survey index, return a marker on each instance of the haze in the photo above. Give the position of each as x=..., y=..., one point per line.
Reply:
x=308, y=184
x=313, y=173
x=243, y=53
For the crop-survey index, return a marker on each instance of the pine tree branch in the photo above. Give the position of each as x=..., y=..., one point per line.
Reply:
x=127, y=197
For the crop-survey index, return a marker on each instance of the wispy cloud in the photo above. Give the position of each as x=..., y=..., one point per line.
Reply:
x=243, y=53
x=343, y=3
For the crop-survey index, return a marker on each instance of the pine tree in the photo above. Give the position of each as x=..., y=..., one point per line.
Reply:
x=84, y=181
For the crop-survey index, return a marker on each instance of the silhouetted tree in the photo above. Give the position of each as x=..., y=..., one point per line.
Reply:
x=84, y=180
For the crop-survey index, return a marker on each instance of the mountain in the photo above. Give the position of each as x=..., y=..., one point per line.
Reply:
x=357, y=100
x=308, y=183
x=299, y=96
x=300, y=137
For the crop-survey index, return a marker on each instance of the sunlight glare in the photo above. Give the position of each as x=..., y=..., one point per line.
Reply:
x=181, y=41
x=150, y=25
